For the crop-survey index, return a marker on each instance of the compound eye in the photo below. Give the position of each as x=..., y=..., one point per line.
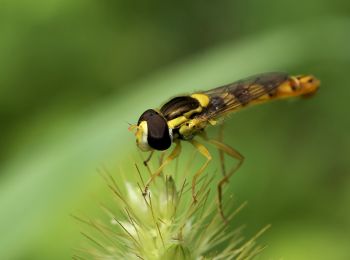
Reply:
x=146, y=115
x=158, y=136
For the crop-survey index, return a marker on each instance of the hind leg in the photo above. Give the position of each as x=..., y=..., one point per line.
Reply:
x=230, y=151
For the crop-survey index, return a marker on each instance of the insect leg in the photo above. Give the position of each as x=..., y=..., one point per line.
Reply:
x=145, y=162
x=221, y=152
x=175, y=153
x=204, y=151
x=234, y=154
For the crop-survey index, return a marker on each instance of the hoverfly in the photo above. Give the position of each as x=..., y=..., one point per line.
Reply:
x=185, y=117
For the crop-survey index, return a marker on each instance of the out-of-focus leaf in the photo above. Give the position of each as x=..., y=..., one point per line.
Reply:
x=51, y=177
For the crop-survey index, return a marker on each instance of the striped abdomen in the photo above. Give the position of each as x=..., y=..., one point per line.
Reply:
x=258, y=89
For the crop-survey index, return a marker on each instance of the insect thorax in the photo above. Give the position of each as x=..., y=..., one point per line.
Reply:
x=182, y=114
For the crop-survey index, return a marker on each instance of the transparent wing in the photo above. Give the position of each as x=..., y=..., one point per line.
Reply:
x=231, y=97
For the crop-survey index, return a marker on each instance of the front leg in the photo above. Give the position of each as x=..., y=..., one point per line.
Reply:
x=145, y=162
x=175, y=153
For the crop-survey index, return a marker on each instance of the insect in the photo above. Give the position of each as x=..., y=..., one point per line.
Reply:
x=185, y=117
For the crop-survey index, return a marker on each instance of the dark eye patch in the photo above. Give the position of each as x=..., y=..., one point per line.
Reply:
x=147, y=115
x=158, y=136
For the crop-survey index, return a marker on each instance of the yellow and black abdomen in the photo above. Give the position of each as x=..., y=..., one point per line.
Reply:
x=258, y=89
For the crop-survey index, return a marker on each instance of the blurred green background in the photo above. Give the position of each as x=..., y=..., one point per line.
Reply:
x=73, y=73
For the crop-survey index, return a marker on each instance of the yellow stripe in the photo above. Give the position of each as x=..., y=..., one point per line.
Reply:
x=182, y=119
x=202, y=99
x=177, y=121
